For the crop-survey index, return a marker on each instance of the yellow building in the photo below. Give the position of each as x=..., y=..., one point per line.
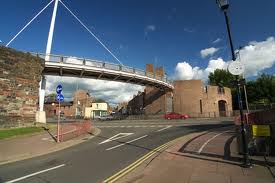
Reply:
x=97, y=110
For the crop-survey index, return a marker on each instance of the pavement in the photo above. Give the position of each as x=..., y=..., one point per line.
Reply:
x=29, y=146
x=202, y=157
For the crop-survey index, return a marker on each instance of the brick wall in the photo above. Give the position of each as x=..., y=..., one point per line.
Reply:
x=20, y=74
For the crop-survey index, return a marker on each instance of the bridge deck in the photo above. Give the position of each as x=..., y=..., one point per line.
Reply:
x=86, y=68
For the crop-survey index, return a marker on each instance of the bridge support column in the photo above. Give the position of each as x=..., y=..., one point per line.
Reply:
x=41, y=114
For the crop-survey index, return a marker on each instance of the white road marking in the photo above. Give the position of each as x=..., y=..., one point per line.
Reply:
x=117, y=136
x=164, y=128
x=137, y=126
x=126, y=143
x=36, y=173
x=200, y=150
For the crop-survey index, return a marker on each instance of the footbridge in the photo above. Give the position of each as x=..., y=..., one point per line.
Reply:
x=58, y=65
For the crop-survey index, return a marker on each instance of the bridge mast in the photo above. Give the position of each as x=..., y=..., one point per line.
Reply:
x=41, y=113
x=50, y=37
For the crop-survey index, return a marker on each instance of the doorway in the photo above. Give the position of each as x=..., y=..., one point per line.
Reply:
x=222, y=108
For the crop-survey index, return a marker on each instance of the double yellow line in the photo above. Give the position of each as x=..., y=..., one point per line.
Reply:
x=132, y=166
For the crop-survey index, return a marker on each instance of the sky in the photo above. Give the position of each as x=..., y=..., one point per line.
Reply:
x=188, y=38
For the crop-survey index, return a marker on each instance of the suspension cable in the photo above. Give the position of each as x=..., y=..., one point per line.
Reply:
x=90, y=32
x=29, y=23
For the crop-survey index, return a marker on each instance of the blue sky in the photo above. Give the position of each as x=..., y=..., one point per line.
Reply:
x=161, y=32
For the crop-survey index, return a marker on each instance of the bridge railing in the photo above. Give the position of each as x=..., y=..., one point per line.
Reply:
x=100, y=64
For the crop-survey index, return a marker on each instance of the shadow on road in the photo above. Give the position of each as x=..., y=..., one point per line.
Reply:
x=225, y=158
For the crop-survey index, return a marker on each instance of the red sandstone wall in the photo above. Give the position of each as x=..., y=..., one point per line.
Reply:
x=20, y=74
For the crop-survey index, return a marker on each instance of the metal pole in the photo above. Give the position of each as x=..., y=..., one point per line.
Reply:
x=50, y=36
x=229, y=35
x=246, y=162
x=244, y=86
x=246, y=101
x=58, y=121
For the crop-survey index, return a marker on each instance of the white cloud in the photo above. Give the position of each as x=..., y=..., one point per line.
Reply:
x=149, y=28
x=256, y=57
x=111, y=91
x=188, y=30
x=208, y=51
x=217, y=40
x=184, y=71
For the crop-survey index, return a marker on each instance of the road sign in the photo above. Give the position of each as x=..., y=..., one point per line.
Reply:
x=59, y=97
x=236, y=68
x=59, y=89
x=261, y=130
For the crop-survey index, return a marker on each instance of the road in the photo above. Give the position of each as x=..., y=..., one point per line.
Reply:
x=101, y=157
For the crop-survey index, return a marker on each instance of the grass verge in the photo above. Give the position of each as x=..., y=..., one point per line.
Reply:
x=7, y=133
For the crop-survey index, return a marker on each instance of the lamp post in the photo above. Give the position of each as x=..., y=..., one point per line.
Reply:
x=244, y=86
x=224, y=5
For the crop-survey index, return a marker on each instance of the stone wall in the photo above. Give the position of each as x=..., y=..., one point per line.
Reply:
x=193, y=98
x=152, y=101
x=20, y=74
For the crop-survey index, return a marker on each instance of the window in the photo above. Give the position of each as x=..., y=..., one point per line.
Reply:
x=220, y=90
x=205, y=89
x=201, y=106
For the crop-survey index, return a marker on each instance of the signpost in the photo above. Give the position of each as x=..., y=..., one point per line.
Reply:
x=59, y=98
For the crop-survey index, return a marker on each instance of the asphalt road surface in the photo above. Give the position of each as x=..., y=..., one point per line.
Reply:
x=119, y=144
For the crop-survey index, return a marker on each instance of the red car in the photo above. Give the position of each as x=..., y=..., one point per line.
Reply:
x=173, y=115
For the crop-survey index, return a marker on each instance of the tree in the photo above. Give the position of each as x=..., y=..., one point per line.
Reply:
x=258, y=91
x=99, y=100
x=253, y=91
x=51, y=95
x=266, y=88
x=221, y=77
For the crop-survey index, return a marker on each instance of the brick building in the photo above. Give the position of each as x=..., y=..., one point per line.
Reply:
x=81, y=100
x=193, y=98
x=152, y=100
x=188, y=97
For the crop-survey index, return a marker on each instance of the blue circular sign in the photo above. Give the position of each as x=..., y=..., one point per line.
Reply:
x=59, y=89
x=59, y=97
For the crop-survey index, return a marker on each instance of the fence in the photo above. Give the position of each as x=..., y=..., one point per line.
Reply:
x=257, y=118
x=257, y=107
x=72, y=130
x=211, y=114
x=191, y=115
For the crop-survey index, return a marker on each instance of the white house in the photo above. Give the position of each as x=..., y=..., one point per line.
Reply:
x=97, y=109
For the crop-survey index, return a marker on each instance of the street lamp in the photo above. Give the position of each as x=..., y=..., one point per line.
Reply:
x=244, y=86
x=224, y=5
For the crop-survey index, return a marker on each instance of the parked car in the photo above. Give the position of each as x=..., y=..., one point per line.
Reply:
x=173, y=115
x=104, y=118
